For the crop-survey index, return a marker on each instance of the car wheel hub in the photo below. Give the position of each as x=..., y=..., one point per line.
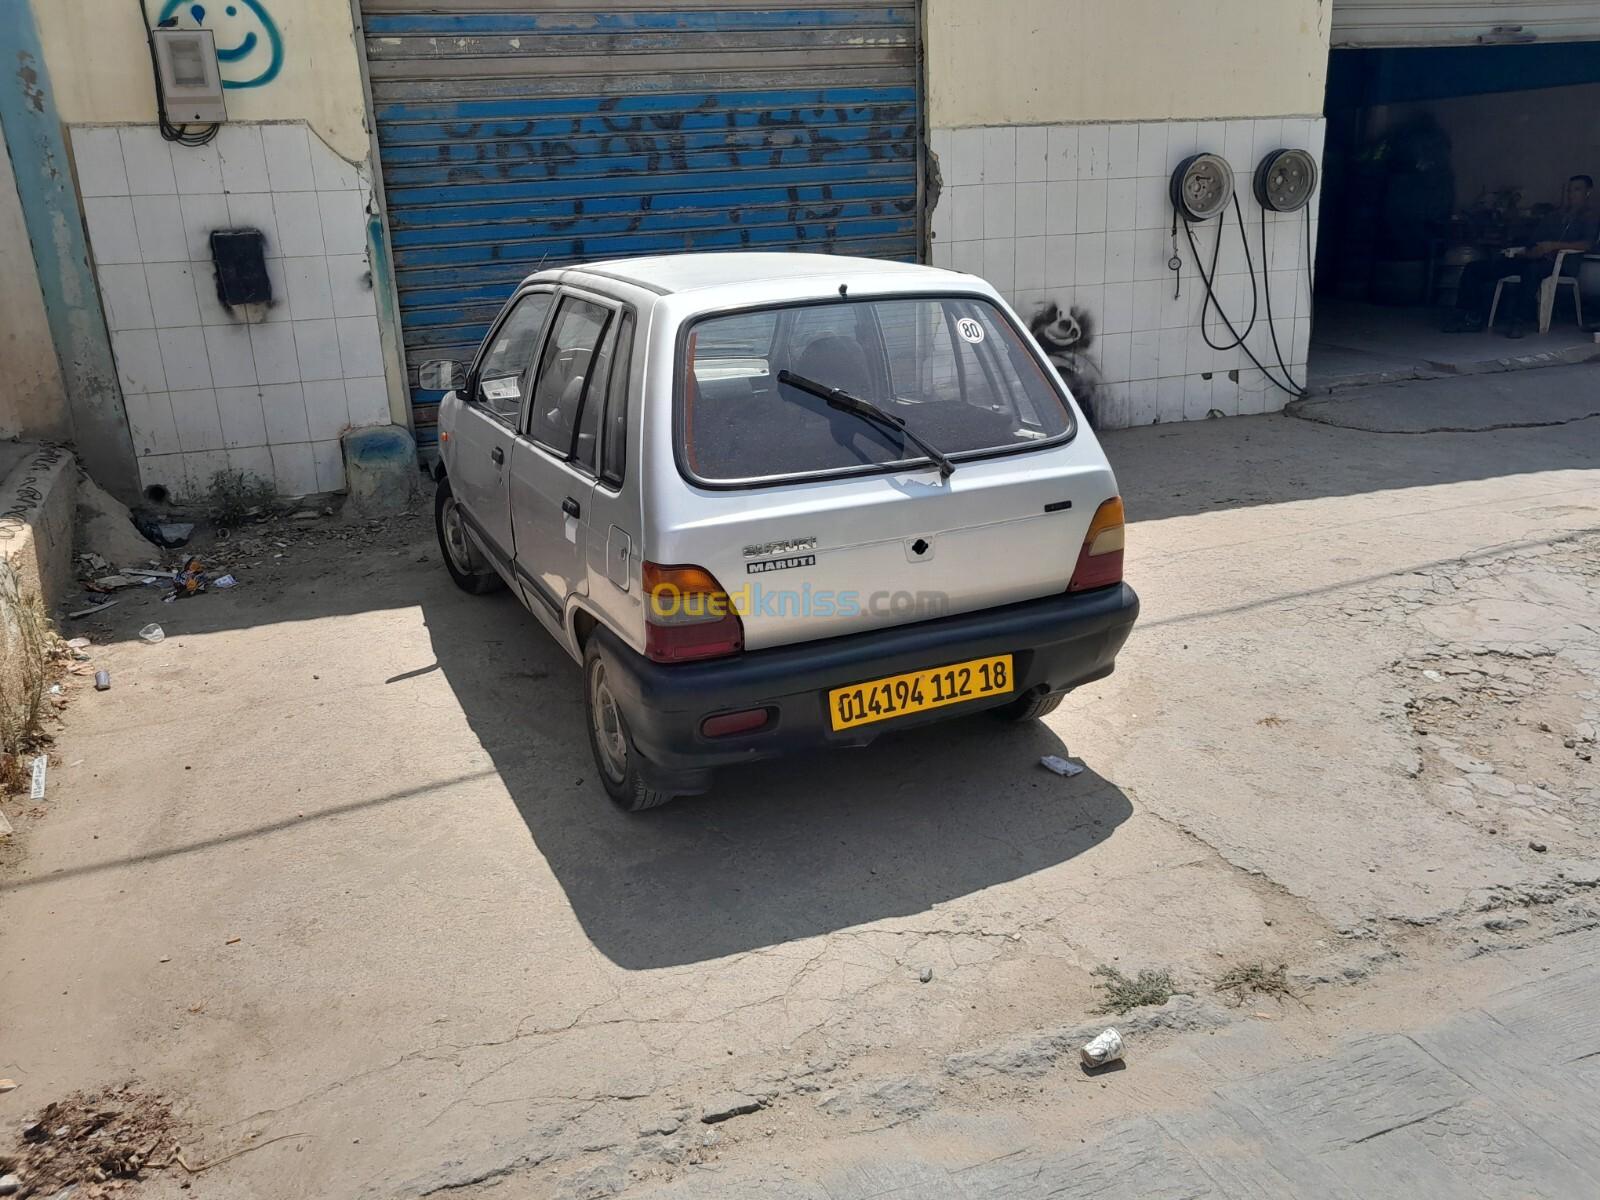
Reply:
x=455, y=538
x=608, y=733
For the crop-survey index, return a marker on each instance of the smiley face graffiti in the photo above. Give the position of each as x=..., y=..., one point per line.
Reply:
x=249, y=46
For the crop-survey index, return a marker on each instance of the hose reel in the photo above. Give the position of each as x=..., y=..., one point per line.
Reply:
x=1201, y=186
x=1285, y=180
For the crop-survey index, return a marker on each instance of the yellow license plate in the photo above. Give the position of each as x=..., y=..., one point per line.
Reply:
x=917, y=691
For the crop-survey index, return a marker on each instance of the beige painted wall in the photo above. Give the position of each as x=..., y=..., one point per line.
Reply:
x=32, y=401
x=100, y=66
x=1043, y=62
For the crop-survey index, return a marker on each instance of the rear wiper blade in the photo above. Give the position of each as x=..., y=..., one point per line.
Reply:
x=868, y=411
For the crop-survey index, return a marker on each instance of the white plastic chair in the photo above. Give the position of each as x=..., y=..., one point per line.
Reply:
x=1499, y=287
x=1547, y=294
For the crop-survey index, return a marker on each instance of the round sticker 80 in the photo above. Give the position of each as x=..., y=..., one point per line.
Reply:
x=970, y=330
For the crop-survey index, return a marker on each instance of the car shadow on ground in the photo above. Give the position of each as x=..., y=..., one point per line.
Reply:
x=778, y=850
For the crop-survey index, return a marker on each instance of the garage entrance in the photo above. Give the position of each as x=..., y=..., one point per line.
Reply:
x=1452, y=133
x=515, y=134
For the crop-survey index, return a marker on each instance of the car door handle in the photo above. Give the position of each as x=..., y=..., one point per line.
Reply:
x=499, y=456
x=571, y=508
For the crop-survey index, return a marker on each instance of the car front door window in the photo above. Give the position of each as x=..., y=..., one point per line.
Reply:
x=511, y=350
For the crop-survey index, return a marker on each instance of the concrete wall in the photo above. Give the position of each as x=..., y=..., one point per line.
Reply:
x=1076, y=219
x=101, y=68
x=1056, y=125
x=32, y=402
x=38, y=487
x=42, y=169
x=265, y=389
x=1042, y=62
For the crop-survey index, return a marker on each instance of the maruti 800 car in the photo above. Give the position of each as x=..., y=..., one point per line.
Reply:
x=774, y=502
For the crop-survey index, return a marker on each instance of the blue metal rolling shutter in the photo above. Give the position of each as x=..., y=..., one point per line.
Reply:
x=514, y=134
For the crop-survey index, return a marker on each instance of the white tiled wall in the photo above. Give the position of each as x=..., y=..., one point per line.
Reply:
x=267, y=389
x=1078, y=215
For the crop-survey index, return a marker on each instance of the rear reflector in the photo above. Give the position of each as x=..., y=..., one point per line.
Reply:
x=1100, y=560
x=723, y=724
x=688, y=615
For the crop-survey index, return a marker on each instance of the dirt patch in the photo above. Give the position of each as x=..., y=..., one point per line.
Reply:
x=100, y=1140
x=1507, y=745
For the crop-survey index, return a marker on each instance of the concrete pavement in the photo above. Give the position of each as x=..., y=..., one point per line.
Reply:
x=330, y=860
x=1496, y=1101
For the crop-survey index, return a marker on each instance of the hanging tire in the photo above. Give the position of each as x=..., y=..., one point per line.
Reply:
x=615, y=756
x=461, y=558
x=1030, y=707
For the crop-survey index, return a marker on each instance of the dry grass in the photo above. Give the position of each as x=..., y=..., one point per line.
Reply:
x=1123, y=994
x=27, y=646
x=235, y=496
x=92, y=1139
x=1255, y=978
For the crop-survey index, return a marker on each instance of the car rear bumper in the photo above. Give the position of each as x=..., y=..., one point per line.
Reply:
x=1057, y=643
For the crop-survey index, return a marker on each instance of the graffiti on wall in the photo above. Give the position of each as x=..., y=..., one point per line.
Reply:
x=26, y=493
x=249, y=46
x=1066, y=336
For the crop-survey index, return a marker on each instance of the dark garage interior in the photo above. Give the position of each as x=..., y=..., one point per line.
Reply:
x=1438, y=157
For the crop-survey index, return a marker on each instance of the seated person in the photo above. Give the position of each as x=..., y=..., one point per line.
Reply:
x=1574, y=226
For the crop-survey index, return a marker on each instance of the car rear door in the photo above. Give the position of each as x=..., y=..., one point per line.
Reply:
x=554, y=461
x=484, y=430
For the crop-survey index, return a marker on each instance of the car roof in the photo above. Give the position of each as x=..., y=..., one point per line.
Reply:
x=667, y=274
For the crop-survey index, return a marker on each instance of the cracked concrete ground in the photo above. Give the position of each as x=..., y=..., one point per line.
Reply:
x=457, y=967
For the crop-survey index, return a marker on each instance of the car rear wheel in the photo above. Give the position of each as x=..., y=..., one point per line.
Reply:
x=616, y=757
x=461, y=559
x=1030, y=707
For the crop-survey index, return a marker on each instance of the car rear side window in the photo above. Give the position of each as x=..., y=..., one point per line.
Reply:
x=586, y=450
x=953, y=368
x=614, y=447
x=570, y=359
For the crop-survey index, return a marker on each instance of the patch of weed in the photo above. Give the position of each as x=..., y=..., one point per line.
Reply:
x=234, y=496
x=1255, y=978
x=1148, y=987
x=26, y=642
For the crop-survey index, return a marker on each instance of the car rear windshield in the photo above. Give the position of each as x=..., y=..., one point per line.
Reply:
x=951, y=367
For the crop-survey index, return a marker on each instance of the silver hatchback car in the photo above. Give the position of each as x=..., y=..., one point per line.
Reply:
x=780, y=501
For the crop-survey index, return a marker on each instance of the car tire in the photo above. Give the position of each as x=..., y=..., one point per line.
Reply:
x=460, y=558
x=1031, y=707
x=616, y=758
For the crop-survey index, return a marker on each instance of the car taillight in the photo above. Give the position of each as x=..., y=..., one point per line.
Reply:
x=1100, y=560
x=688, y=615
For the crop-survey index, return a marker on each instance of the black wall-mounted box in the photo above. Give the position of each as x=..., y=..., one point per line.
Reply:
x=240, y=256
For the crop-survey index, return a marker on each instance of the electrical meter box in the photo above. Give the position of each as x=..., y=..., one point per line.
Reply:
x=191, y=86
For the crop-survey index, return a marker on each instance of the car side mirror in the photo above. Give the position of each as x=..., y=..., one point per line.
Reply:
x=441, y=375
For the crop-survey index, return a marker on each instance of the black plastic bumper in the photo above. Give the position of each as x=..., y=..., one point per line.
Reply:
x=1056, y=644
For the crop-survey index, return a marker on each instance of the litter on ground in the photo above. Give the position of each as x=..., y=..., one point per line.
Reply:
x=1105, y=1048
